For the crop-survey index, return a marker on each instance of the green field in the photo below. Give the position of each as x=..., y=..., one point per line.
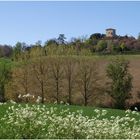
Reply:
x=29, y=121
x=87, y=111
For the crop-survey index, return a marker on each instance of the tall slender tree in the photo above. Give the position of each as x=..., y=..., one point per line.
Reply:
x=70, y=76
x=121, y=81
x=5, y=75
x=57, y=77
x=88, y=77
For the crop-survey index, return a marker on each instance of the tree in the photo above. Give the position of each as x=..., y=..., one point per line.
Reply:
x=87, y=81
x=5, y=75
x=56, y=73
x=6, y=51
x=69, y=69
x=123, y=47
x=97, y=36
x=101, y=46
x=38, y=43
x=61, y=39
x=78, y=44
x=40, y=70
x=17, y=50
x=121, y=81
x=51, y=42
x=20, y=83
x=113, y=47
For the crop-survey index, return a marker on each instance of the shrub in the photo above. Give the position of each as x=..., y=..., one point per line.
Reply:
x=121, y=81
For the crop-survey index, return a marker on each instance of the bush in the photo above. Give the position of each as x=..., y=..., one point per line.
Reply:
x=101, y=46
x=121, y=81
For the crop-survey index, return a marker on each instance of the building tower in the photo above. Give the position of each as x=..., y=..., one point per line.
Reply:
x=110, y=32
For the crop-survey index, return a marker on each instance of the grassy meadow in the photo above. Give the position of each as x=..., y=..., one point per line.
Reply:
x=66, y=121
x=87, y=111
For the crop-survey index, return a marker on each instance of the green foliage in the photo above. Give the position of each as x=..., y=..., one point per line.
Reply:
x=116, y=48
x=97, y=36
x=51, y=42
x=61, y=39
x=123, y=47
x=38, y=43
x=5, y=75
x=17, y=50
x=121, y=81
x=101, y=46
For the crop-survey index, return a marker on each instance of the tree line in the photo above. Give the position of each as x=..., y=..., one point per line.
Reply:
x=97, y=43
x=56, y=79
x=67, y=79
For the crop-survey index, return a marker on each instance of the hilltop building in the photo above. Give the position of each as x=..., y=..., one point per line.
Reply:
x=110, y=32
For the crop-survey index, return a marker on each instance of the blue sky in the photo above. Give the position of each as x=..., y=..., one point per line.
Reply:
x=32, y=21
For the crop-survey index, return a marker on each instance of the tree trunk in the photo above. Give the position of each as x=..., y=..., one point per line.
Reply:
x=42, y=92
x=57, y=91
x=2, y=93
